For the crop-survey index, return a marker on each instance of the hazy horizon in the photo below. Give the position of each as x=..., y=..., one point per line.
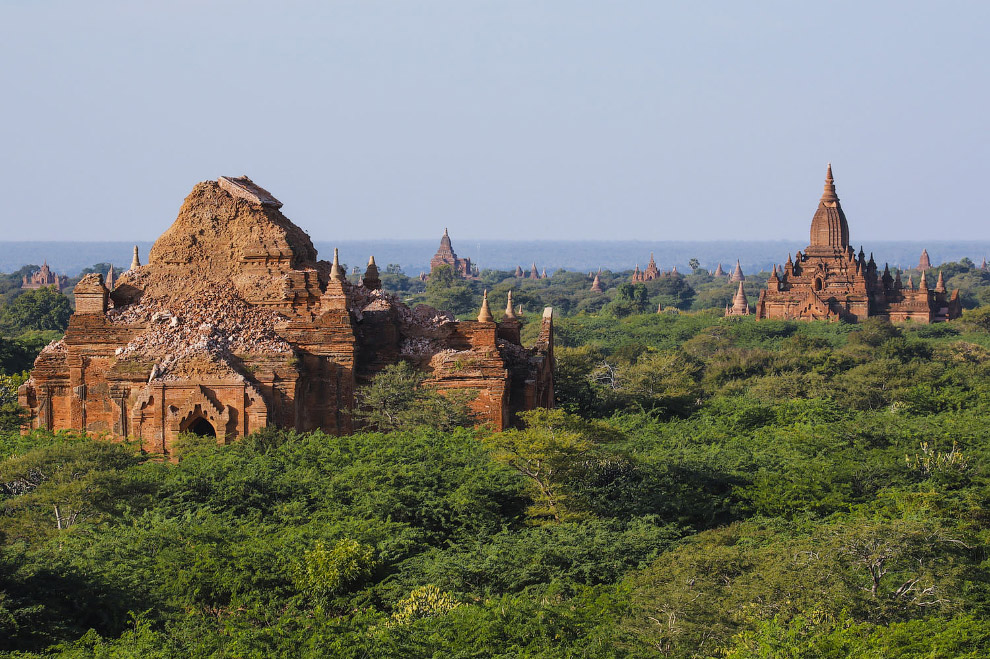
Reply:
x=576, y=255
x=632, y=120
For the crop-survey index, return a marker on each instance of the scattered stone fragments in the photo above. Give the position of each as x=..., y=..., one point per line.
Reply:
x=234, y=325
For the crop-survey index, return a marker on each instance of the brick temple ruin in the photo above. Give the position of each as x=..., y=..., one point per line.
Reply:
x=829, y=281
x=234, y=325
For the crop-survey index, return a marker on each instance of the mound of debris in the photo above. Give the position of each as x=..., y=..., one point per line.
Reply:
x=214, y=325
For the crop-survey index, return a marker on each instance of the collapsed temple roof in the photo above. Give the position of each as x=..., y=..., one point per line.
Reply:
x=216, y=284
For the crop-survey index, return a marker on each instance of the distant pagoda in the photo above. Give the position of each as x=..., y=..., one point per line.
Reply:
x=830, y=281
x=445, y=256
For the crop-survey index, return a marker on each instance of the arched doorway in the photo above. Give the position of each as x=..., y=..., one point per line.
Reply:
x=202, y=427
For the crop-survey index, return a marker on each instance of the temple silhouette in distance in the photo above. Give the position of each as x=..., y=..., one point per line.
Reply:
x=830, y=281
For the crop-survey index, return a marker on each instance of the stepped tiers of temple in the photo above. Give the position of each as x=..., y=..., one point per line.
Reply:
x=44, y=277
x=234, y=325
x=830, y=281
x=445, y=256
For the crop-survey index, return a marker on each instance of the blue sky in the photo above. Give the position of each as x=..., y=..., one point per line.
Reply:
x=502, y=119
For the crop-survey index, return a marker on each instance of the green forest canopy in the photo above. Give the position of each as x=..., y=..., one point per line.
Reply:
x=707, y=487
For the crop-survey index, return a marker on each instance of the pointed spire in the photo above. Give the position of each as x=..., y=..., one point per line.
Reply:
x=110, y=278
x=924, y=263
x=940, y=284
x=519, y=271
x=372, y=281
x=509, y=313
x=737, y=274
x=659, y=307
x=534, y=273
x=485, y=315
x=923, y=284
x=886, y=279
x=897, y=281
x=544, y=275
x=910, y=284
x=829, y=193
x=740, y=305
x=596, y=285
x=136, y=261
x=336, y=272
x=719, y=272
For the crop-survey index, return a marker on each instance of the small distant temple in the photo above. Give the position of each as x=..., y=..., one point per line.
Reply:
x=740, y=305
x=924, y=263
x=44, y=277
x=651, y=272
x=829, y=281
x=445, y=256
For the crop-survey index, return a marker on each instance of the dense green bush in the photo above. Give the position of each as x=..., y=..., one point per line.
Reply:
x=707, y=487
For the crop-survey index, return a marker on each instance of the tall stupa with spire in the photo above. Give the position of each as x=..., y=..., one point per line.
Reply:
x=830, y=281
x=445, y=256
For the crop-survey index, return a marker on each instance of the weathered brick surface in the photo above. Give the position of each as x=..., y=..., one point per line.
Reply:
x=234, y=326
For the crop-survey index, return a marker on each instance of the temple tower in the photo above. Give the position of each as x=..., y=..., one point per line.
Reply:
x=740, y=305
x=372, y=281
x=485, y=315
x=829, y=229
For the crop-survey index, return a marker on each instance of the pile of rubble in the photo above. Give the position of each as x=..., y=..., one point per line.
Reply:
x=422, y=320
x=210, y=326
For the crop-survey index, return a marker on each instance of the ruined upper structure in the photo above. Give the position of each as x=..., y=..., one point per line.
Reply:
x=234, y=325
x=445, y=256
x=44, y=277
x=830, y=281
